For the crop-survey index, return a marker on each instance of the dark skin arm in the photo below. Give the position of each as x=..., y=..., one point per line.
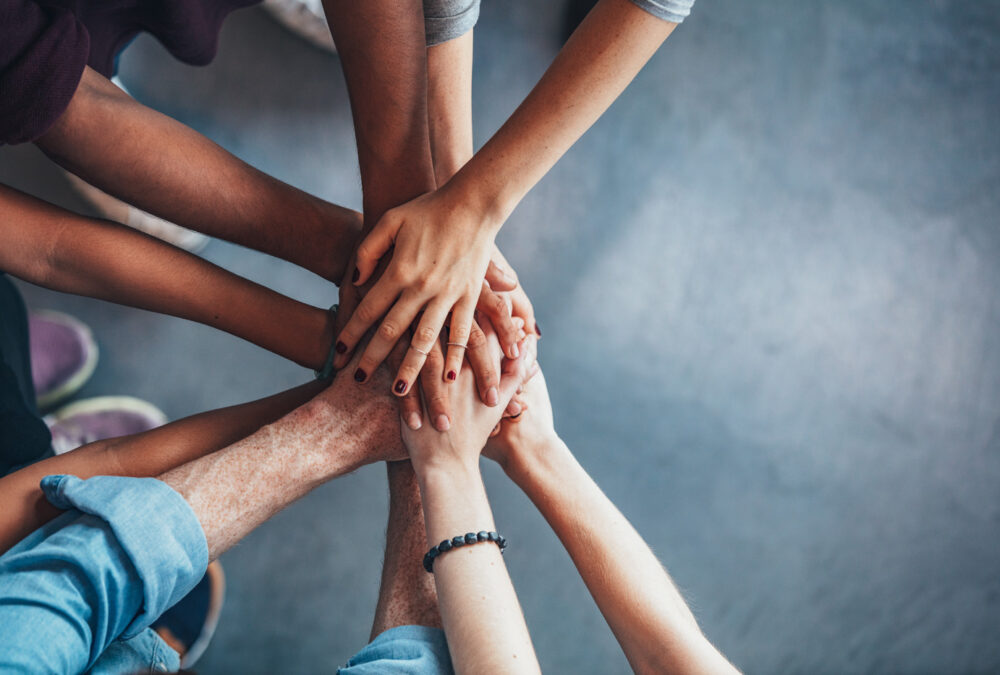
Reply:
x=171, y=171
x=63, y=251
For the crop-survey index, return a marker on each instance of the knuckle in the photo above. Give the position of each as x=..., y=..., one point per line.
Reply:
x=366, y=314
x=426, y=335
x=477, y=340
x=389, y=330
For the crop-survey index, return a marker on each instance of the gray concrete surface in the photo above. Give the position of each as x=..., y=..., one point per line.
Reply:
x=769, y=280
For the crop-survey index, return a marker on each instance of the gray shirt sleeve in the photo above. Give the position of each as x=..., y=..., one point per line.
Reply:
x=448, y=19
x=669, y=10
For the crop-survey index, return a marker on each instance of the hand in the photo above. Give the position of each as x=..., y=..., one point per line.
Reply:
x=441, y=249
x=372, y=411
x=472, y=421
x=521, y=438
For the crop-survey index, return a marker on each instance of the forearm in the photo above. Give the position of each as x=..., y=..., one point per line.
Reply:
x=60, y=250
x=648, y=616
x=238, y=488
x=381, y=48
x=23, y=508
x=449, y=105
x=603, y=55
x=166, y=168
x=479, y=608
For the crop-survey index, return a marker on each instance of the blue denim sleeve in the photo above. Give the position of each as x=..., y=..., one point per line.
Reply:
x=448, y=19
x=670, y=10
x=126, y=550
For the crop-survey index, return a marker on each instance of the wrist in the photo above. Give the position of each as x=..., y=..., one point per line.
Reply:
x=437, y=471
x=489, y=208
x=536, y=461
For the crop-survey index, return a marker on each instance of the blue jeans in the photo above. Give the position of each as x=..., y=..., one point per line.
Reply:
x=80, y=592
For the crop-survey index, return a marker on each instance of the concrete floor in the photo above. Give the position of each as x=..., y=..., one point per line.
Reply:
x=769, y=280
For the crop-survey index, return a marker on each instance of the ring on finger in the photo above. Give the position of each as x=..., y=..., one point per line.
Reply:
x=418, y=350
x=457, y=344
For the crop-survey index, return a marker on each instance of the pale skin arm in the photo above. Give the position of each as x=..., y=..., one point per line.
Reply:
x=479, y=608
x=23, y=507
x=60, y=250
x=442, y=242
x=170, y=170
x=654, y=626
x=236, y=489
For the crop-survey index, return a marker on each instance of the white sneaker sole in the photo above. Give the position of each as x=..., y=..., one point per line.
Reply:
x=91, y=356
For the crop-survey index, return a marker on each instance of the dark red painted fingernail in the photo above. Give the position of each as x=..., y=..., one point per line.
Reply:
x=538, y=330
x=400, y=386
x=341, y=347
x=355, y=276
x=452, y=375
x=359, y=375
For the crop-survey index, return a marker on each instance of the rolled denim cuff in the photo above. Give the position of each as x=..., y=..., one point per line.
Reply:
x=155, y=528
x=448, y=19
x=674, y=11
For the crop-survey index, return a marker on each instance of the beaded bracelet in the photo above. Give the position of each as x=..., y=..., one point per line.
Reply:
x=457, y=542
x=327, y=370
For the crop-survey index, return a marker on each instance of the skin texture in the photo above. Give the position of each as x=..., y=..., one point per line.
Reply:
x=234, y=490
x=23, y=507
x=171, y=171
x=441, y=242
x=479, y=608
x=60, y=250
x=653, y=625
x=407, y=596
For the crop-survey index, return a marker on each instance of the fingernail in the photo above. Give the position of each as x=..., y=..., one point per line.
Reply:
x=400, y=386
x=492, y=396
x=355, y=276
x=341, y=347
x=514, y=408
x=443, y=423
x=538, y=330
x=514, y=351
x=413, y=421
x=359, y=375
x=452, y=375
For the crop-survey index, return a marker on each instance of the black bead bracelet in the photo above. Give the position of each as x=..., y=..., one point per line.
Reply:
x=458, y=542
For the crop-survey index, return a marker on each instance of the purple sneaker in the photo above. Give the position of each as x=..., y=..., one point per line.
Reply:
x=95, y=419
x=63, y=356
x=188, y=626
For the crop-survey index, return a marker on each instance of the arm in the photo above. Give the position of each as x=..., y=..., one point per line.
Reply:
x=382, y=51
x=172, y=171
x=60, y=250
x=647, y=614
x=442, y=242
x=479, y=609
x=23, y=507
x=129, y=548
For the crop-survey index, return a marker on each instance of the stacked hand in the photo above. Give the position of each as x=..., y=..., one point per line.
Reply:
x=437, y=270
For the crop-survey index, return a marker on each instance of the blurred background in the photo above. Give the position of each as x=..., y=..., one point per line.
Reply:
x=769, y=282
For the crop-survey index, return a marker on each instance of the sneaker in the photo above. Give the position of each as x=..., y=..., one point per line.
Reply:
x=63, y=356
x=114, y=209
x=95, y=419
x=305, y=18
x=188, y=626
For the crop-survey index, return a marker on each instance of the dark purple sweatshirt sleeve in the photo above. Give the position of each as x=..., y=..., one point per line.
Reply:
x=42, y=55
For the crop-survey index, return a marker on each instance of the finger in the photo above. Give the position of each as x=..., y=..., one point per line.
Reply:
x=496, y=430
x=458, y=338
x=375, y=245
x=410, y=408
x=500, y=278
x=421, y=343
x=514, y=372
x=372, y=307
x=521, y=306
x=495, y=308
x=436, y=391
x=483, y=366
x=393, y=327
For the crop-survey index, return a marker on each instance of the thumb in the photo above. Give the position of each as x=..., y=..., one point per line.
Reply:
x=375, y=245
x=515, y=371
x=499, y=278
